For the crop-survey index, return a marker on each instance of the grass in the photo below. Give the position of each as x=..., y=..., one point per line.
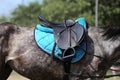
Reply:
x=15, y=76
x=112, y=78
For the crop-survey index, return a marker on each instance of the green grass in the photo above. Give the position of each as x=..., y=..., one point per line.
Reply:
x=15, y=76
x=112, y=78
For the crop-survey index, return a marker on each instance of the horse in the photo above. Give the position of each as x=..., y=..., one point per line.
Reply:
x=107, y=52
x=19, y=52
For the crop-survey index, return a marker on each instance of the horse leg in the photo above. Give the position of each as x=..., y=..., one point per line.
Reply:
x=5, y=71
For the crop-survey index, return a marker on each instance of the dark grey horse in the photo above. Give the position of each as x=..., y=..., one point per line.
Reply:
x=19, y=52
x=107, y=50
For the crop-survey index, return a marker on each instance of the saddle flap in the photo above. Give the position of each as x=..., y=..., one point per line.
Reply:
x=68, y=37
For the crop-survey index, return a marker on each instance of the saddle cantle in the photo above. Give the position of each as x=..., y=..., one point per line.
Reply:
x=68, y=36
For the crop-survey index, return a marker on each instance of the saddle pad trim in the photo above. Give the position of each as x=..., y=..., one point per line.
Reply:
x=45, y=29
x=82, y=22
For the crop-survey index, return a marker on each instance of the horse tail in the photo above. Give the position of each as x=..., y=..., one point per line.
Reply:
x=5, y=30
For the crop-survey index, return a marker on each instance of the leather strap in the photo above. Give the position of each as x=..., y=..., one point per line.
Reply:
x=67, y=66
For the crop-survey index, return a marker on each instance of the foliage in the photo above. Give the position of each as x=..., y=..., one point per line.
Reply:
x=63, y=9
x=3, y=19
x=26, y=15
x=59, y=10
x=109, y=12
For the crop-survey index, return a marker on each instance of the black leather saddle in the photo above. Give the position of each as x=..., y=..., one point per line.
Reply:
x=67, y=34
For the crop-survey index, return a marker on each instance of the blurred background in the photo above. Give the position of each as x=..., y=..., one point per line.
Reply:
x=26, y=12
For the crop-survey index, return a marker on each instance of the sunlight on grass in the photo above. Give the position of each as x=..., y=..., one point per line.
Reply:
x=112, y=78
x=15, y=76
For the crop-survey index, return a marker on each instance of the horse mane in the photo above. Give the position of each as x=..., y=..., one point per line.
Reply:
x=112, y=33
x=6, y=29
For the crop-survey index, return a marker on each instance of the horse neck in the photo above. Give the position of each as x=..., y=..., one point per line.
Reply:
x=106, y=49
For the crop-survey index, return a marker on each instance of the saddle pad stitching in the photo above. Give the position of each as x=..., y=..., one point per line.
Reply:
x=44, y=29
x=44, y=36
x=49, y=44
x=45, y=47
x=40, y=39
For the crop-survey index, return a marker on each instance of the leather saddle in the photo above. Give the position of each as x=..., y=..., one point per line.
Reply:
x=68, y=34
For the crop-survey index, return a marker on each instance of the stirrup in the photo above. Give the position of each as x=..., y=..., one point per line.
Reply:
x=68, y=53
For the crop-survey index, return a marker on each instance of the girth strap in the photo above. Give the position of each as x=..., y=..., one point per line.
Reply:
x=53, y=50
x=67, y=66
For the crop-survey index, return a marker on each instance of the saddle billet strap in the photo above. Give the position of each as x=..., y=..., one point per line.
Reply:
x=53, y=50
x=69, y=52
x=68, y=27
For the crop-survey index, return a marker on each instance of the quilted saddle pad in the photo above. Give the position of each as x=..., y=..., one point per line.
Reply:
x=44, y=38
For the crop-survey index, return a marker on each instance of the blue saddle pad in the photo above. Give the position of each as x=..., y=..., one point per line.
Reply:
x=44, y=38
